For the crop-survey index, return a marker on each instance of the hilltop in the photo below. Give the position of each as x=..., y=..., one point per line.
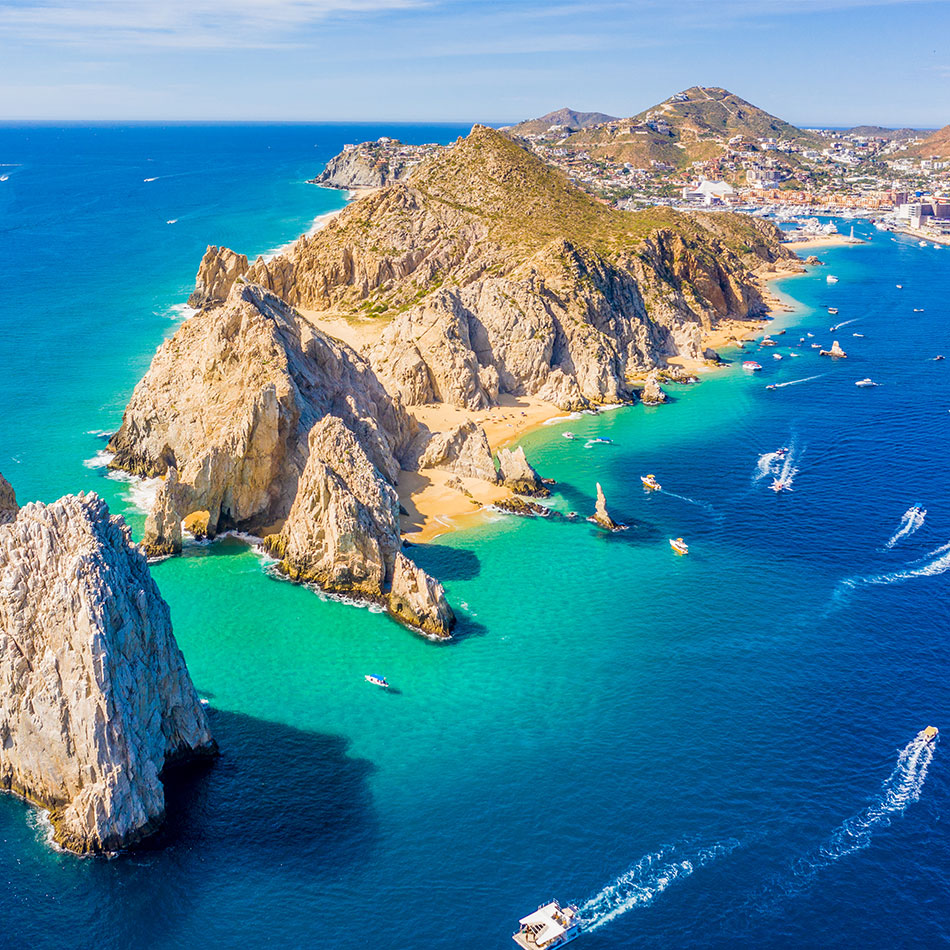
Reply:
x=562, y=119
x=934, y=146
x=694, y=125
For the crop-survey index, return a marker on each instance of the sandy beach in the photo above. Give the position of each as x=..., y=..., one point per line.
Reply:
x=822, y=240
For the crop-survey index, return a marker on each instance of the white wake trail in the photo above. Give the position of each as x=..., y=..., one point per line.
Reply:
x=932, y=564
x=644, y=881
x=911, y=520
x=795, y=382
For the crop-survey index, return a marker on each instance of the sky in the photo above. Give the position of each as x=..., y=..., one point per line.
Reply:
x=811, y=62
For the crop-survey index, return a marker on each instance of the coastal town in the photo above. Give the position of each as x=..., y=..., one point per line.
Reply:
x=683, y=153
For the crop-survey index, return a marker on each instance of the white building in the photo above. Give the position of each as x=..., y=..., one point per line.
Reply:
x=709, y=192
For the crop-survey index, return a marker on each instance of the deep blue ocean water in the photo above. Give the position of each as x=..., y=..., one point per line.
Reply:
x=710, y=751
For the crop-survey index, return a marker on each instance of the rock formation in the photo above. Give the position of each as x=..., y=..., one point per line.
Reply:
x=516, y=473
x=463, y=450
x=601, y=517
x=219, y=269
x=95, y=698
x=418, y=600
x=369, y=165
x=8, y=505
x=652, y=394
x=835, y=351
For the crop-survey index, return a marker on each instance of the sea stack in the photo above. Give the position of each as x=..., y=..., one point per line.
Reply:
x=516, y=473
x=601, y=516
x=835, y=351
x=95, y=697
x=652, y=394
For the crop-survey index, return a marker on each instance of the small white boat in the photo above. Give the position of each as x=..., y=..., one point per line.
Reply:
x=776, y=356
x=900, y=286
x=816, y=346
x=918, y=309
x=600, y=441
x=650, y=483
x=569, y=435
x=865, y=383
x=778, y=485
x=377, y=680
x=751, y=366
x=767, y=341
x=860, y=336
x=833, y=310
x=794, y=355
x=811, y=334
x=832, y=279
x=679, y=545
x=550, y=926
x=921, y=243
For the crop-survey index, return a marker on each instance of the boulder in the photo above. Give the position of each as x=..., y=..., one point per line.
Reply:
x=95, y=698
x=418, y=600
x=463, y=450
x=652, y=394
x=515, y=473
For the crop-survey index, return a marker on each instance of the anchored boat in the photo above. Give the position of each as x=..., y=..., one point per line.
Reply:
x=551, y=925
x=650, y=482
x=865, y=383
x=377, y=680
x=832, y=279
x=679, y=545
x=751, y=365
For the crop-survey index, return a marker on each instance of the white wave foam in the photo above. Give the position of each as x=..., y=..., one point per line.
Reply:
x=140, y=492
x=100, y=433
x=930, y=565
x=643, y=882
x=101, y=459
x=911, y=520
x=180, y=311
x=558, y=419
x=838, y=326
x=318, y=223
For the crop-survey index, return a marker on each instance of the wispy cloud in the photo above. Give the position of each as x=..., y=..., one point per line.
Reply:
x=197, y=24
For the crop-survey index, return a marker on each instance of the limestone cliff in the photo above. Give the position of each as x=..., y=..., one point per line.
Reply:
x=516, y=473
x=419, y=600
x=368, y=165
x=463, y=450
x=490, y=273
x=8, y=505
x=219, y=269
x=95, y=698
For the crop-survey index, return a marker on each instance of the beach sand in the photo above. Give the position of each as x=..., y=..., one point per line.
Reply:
x=823, y=240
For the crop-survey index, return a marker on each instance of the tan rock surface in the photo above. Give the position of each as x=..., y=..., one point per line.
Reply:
x=95, y=698
x=8, y=505
x=419, y=600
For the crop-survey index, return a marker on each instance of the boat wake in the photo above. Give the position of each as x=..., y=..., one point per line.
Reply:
x=911, y=520
x=902, y=788
x=795, y=382
x=708, y=508
x=644, y=881
x=778, y=466
x=846, y=323
x=930, y=565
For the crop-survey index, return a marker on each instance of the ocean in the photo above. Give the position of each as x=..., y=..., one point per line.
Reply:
x=715, y=750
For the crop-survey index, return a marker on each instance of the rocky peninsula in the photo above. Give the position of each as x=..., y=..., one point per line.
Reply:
x=95, y=698
x=482, y=281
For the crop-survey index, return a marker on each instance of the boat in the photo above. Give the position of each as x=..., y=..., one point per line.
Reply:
x=771, y=386
x=865, y=383
x=794, y=355
x=650, y=482
x=816, y=346
x=782, y=452
x=600, y=441
x=377, y=680
x=767, y=341
x=569, y=435
x=776, y=356
x=860, y=336
x=811, y=334
x=938, y=357
x=679, y=546
x=921, y=243
x=832, y=279
x=833, y=310
x=551, y=925
x=900, y=286
x=928, y=734
x=751, y=365
x=918, y=309
x=779, y=485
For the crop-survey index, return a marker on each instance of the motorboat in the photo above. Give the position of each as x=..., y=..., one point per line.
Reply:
x=551, y=925
x=816, y=346
x=938, y=357
x=776, y=356
x=928, y=734
x=569, y=435
x=900, y=286
x=832, y=279
x=767, y=341
x=779, y=485
x=679, y=545
x=650, y=482
x=782, y=452
x=771, y=386
x=833, y=310
x=865, y=383
x=751, y=365
x=794, y=355
x=860, y=336
x=600, y=441
x=377, y=680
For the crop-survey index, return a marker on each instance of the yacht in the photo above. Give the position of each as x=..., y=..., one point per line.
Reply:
x=679, y=545
x=551, y=925
x=376, y=680
x=833, y=310
x=865, y=383
x=832, y=279
x=767, y=341
x=650, y=483
x=776, y=356
x=751, y=365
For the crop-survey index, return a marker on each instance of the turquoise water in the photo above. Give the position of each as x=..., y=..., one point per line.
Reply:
x=698, y=750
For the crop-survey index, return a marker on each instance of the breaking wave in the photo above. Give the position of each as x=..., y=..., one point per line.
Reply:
x=100, y=460
x=644, y=881
x=911, y=520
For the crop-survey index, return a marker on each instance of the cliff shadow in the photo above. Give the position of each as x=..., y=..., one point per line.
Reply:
x=445, y=562
x=276, y=794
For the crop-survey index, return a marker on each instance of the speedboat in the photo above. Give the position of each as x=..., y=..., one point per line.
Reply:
x=900, y=286
x=377, y=680
x=921, y=243
x=860, y=336
x=794, y=355
x=771, y=386
x=782, y=452
x=569, y=435
x=832, y=279
x=779, y=485
x=600, y=441
x=679, y=546
x=865, y=383
x=938, y=357
x=650, y=482
x=918, y=309
x=811, y=334
x=551, y=925
x=751, y=365
x=767, y=341
x=928, y=734
x=776, y=356
x=833, y=311
x=816, y=346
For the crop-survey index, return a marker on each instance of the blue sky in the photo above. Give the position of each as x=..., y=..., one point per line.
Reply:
x=833, y=62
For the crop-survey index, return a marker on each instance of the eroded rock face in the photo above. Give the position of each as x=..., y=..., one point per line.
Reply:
x=365, y=166
x=219, y=269
x=463, y=450
x=229, y=401
x=8, y=505
x=95, y=698
x=652, y=394
x=419, y=600
x=516, y=473
x=835, y=351
x=601, y=516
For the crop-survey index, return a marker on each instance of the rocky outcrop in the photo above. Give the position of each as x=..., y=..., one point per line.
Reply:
x=229, y=402
x=217, y=273
x=835, y=351
x=516, y=473
x=369, y=165
x=418, y=600
x=601, y=516
x=8, y=505
x=652, y=394
x=95, y=698
x=463, y=450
